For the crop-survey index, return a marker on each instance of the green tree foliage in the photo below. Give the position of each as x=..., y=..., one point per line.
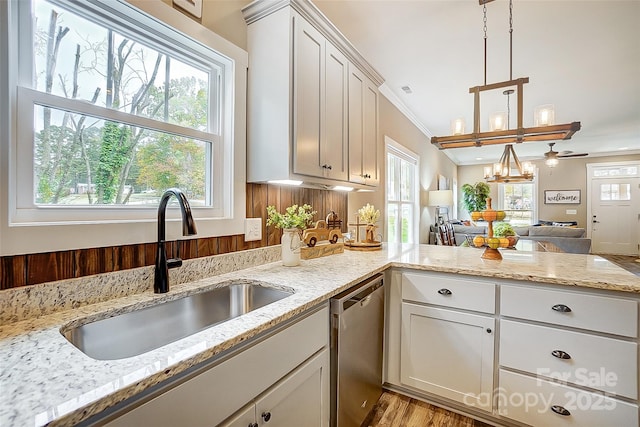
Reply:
x=104, y=156
x=114, y=153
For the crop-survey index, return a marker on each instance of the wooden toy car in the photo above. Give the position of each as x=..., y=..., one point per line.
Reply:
x=323, y=230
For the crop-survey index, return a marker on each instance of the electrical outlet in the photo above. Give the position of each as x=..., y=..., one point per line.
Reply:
x=252, y=229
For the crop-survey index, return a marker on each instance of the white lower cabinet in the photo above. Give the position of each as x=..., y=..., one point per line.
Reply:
x=448, y=353
x=516, y=353
x=285, y=373
x=543, y=403
x=299, y=399
x=602, y=363
x=567, y=358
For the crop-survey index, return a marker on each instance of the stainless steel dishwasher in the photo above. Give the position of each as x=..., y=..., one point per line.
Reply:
x=357, y=324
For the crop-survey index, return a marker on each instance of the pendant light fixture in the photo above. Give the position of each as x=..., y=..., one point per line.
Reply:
x=502, y=171
x=543, y=131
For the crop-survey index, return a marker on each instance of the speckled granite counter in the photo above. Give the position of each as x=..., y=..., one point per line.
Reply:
x=46, y=380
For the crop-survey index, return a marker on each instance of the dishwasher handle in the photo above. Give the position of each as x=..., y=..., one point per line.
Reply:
x=359, y=294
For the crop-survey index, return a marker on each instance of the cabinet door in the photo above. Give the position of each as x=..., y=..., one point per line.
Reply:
x=299, y=399
x=356, y=132
x=246, y=417
x=334, y=143
x=370, y=130
x=363, y=129
x=309, y=63
x=448, y=353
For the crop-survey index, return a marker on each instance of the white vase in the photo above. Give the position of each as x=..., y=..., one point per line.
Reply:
x=291, y=244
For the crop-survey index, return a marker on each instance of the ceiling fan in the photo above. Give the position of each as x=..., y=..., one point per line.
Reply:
x=551, y=157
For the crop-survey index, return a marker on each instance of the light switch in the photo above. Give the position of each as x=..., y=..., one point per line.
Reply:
x=572, y=212
x=252, y=229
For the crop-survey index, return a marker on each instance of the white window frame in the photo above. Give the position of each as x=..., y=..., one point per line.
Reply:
x=536, y=201
x=404, y=153
x=27, y=228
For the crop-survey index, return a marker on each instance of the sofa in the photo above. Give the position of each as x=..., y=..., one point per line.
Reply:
x=568, y=239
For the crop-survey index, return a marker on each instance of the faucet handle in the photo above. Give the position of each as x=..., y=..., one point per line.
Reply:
x=174, y=262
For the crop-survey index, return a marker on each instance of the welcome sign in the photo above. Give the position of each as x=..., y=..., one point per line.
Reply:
x=570, y=197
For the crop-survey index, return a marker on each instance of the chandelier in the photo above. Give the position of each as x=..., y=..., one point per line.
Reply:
x=543, y=131
x=503, y=172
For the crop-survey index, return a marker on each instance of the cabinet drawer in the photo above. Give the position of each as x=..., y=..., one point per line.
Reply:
x=530, y=401
x=449, y=291
x=598, y=313
x=605, y=364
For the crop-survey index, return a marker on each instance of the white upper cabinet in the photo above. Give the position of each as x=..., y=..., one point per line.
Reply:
x=320, y=99
x=306, y=122
x=363, y=129
x=336, y=119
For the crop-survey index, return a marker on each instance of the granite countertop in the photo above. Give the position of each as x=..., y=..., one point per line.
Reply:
x=46, y=380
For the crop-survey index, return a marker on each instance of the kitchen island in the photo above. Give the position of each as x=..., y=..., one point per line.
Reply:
x=44, y=380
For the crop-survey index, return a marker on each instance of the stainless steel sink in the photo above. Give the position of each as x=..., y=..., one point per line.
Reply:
x=135, y=332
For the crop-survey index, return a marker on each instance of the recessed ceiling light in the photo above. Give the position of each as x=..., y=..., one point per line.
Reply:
x=478, y=158
x=623, y=148
x=406, y=89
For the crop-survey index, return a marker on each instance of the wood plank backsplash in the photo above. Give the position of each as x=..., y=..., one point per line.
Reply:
x=30, y=269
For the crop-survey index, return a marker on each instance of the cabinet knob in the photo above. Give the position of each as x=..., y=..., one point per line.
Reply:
x=560, y=410
x=561, y=354
x=489, y=330
x=366, y=175
x=561, y=308
x=266, y=416
x=444, y=291
x=253, y=425
x=326, y=167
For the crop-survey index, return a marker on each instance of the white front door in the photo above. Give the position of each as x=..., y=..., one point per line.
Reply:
x=615, y=215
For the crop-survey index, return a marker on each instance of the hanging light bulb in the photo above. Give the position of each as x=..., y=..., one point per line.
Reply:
x=457, y=126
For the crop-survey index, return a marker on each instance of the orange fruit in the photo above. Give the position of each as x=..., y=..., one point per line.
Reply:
x=478, y=241
x=489, y=215
x=504, y=242
x=493, y=242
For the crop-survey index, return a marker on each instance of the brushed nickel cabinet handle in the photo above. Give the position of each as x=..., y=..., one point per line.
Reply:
x=561, y=308
x=444, y=291
x=561, y=354
x=560, y=410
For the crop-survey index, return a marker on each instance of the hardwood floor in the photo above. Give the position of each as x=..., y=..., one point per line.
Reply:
x=396, y=410
x=629, y=263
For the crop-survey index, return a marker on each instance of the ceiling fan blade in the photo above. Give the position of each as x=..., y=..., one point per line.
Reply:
x=564, y=156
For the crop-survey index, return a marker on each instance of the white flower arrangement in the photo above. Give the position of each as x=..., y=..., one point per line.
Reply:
x=368, y=214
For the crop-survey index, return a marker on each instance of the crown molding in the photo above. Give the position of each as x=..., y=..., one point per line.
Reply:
x=261, y=8
x=400, y=105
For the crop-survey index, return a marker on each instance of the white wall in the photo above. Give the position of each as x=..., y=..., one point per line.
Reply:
x=433, y=162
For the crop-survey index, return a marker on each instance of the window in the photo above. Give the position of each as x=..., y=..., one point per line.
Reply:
x=402, y=195
x=615, y=192
x=518, y=200
x=118, y=117
x=111, y=107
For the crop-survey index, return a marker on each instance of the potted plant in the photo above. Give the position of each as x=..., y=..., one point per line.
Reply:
x=369, y=215
x=474, y=197
x=292, y=222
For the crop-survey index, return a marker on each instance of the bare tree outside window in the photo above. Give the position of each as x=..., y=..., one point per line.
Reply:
x=82, y=159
